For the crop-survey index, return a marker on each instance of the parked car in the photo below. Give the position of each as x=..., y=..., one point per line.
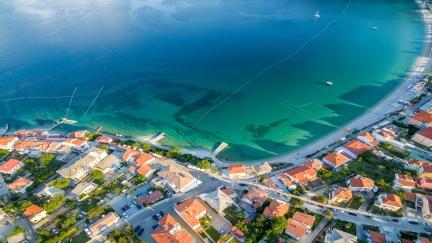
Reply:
x=137, y=228
x=140, y=232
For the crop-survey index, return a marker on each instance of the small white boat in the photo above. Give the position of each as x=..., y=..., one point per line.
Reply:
x=374, y=28
x=329, y=83
x=317, y=15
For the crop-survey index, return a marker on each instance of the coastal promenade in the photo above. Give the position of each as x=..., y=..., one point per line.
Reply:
x=375, y=114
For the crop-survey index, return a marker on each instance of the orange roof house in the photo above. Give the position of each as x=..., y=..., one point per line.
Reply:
x=356, y=147
x=286, y=181
x=170, y=231
x=236, y=171
x=8, y=142
x=306, y=219
x=276, y=209
x=145, y=170
x=152, y=198
x=20, y=184
x=375, y=237
x=105, y=224
x=178, y=179
x=10, y=166
x=314, y=164
x=367, y=138
x=301, y=174
x=104, y=139
x=389, y=201
x=336, y=159
x=424, y=137
x=255, y=197
x=421, y=118
x=35, y=213
x=404, y=182
x=425, y=183
x=129, y=154
x=79, y=134
x=144, y=158
x=341, y=194
x=192, y=210
x=295, y=229
x=360, y=183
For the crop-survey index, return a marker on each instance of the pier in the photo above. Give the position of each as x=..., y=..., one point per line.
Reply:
x=222, y=146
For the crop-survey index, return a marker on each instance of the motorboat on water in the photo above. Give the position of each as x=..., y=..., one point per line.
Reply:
x=317, y=14
x=329, y=83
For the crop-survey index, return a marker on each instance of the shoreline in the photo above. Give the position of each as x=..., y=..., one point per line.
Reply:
x=375, y=114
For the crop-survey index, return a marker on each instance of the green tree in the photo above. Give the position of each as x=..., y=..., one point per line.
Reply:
x=31, y=163
x=95, y=212
x=204, y=164
x=46, y=159
x=104, y=147
x=277, y=227
x=295, y=202
x=54, y=203
x=67, y=220
x=98, y=177
x=205, y=222
x=328, y=214
x=174, y=152
x=146, y=147
x=61, y=183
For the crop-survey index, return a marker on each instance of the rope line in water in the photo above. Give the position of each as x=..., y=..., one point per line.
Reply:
x=70, y=102
x=35, y=97
x=94, y=100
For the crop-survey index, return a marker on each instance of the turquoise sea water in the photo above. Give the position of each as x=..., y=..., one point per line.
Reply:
x=250, y=73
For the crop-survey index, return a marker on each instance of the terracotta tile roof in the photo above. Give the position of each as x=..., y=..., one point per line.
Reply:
x=143, y=158
x=171, y=231
x=305, y=219
x=314, y=164
x=153, y=197
x=237, y=232
x=425, y=183
x=32, y=211
x=256, y=196
x=427, y=132
x=410, y=196
x=301, y=174
x=270, y=183
x=336, y=158
x=357, y=147
x=176, y=176
x=236, y=169
x=104, y=139
x=425, y=240
x=391, y=200
x=191, y=210
x=275, y=209
x=368, y=137
x=405, y=180
x=227, y=191
x=79, y=134
x=376, y=237
x=423, y=117
x=387, y=134
x=103, y=223
x=9, y=165
x=5, y=141
x=128, y=154
x=342, y=194
x=76, y=141
x=295, y=228
x=363, y=182
x=19, y=184
x=285, y=179
x=144, y=170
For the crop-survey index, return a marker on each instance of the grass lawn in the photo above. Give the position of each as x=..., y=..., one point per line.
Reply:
x=81, y=237
x=356, y=202
x=346, y=227
x=213, y=233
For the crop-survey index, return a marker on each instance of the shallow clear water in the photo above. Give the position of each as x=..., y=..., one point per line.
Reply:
x=250, y=73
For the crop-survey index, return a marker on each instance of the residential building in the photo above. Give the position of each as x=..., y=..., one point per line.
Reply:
x=425, y=183
x=171, y=231
x=82, y=190
x=105, y=224
x=305, y=219
x=405, y=182
x=336, y=159
x=270, y=183
x=104, y=139
x=11, y=166
x=129, y=155
x=341, y=195
x=275, y=209
x=361, y=184
x=338, y=236
x=77, y=143
x=314, y=164
x=262, y=169
x=421, y=119
x=286, y=181
x=177, y=179
x=146, y=170
x=389, y=201
x=237, y=171
x=355, y=148
x=50, y=191
x=368, y=139
x=8, y=143
x=151, y=198
x=375, y=237
x=424, y=137
x=20, y=185
x=255, y=197
x=301, y=174
x=218, y=200
x=144, y=159
x=426, y=208
x=109, y=164
x=83, y=134
x=299, y=225
x=82, y=167
x=35, y=213
x=192, y=210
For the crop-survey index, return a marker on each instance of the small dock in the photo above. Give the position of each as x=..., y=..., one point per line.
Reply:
x=157, y=138
x=222, y=146
x=62, y=121
x=4, y=130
